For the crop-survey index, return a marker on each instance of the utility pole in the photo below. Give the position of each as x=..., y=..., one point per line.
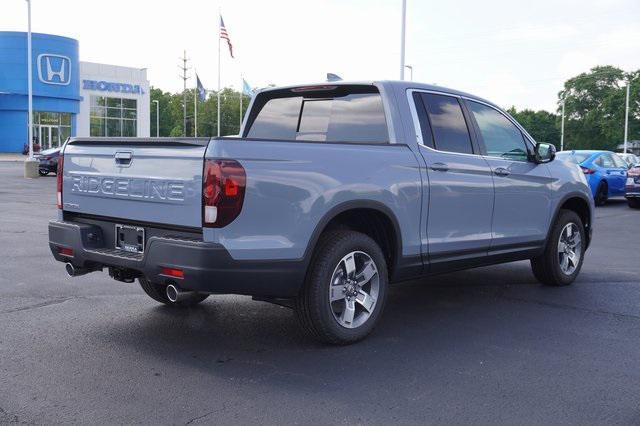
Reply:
x=626, y=117
x=402, y=37
x=562, y=129
x=184, y=78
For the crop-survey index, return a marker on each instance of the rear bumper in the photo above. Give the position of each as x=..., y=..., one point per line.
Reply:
x=206, y=267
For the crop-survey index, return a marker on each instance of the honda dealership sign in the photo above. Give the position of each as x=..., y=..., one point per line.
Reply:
x=54, y=69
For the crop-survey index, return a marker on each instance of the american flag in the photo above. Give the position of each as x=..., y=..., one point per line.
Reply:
x=224, y=35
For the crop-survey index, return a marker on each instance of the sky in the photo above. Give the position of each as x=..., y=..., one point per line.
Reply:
x=511, y=52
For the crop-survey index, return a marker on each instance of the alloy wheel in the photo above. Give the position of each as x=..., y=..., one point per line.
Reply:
x=569, y=248
x=354, y=289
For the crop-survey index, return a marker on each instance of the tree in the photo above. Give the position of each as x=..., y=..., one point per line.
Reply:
x=595, y=108
x=171, y=113
x=542, y=125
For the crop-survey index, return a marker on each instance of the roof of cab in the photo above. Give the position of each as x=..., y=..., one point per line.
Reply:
x=395, y=84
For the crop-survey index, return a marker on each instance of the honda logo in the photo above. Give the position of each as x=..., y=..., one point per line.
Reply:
x=54, y=69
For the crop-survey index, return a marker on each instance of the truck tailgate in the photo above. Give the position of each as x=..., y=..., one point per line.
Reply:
x=146, y=181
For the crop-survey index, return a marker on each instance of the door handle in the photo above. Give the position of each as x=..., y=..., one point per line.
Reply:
x=439, y=167
x=501, y=171
x=123, y=158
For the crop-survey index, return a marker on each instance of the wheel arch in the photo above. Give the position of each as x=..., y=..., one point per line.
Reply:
x=373, y=219
x=579, y=204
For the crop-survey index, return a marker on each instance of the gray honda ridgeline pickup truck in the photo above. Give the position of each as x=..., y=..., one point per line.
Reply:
x=331, y=193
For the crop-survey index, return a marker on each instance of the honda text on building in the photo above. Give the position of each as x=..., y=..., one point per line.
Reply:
x=332, y=193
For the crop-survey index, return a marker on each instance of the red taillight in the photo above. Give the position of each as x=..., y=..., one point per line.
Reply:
x=65, y=251
x=587, y=171
x=223, y=186
x=172, y=272
x=59, y=181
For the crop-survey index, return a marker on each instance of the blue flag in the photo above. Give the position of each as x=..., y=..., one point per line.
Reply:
x=202, y=93
x=246, y=89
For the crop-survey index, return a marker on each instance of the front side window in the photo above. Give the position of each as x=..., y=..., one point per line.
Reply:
x=113, y=116
x=322, y=116
x=501, y=137
x=450, y=132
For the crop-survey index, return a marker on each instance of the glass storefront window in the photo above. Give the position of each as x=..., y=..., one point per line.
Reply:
x=51, y=129
x=114, y=128
x=114, y=102
x=113, y=116
x=114, y=112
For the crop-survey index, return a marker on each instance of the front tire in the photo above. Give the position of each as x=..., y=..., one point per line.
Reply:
x=562, y=259
x=158, y=293
x=345, y=290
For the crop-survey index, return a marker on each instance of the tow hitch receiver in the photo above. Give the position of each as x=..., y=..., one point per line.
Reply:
x=124, y=275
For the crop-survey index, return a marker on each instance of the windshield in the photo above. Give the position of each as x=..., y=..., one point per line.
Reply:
x=576, y=157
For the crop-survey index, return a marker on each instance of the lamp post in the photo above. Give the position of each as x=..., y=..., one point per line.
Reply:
x=411, y=73
x=157, y=102
x=30, y=165
x=562, y=129
x=626, y=117
x=402, y=37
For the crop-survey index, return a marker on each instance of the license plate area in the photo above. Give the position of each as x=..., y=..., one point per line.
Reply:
x=130, y=238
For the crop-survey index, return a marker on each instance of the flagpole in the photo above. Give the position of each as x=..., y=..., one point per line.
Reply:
x=219, y=22
x=241, y=96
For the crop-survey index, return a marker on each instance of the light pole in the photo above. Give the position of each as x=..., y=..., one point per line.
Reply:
x=31, y=165
x=411, y=73
x=157, y=102
x=402, y=37
x=626, y=117
x=562, y=129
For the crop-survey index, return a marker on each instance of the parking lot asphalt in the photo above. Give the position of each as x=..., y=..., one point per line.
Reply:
x=484, y=346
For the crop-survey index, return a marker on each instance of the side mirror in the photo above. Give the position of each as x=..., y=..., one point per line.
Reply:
x=544, y=152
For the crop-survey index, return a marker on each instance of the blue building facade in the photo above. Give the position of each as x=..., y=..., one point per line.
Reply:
x=56, y=89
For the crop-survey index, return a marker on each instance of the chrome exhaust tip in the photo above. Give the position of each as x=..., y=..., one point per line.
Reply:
x=74, y=271
x=175, y=294
x=172, y=293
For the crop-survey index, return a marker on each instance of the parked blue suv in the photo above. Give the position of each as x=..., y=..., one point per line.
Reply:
x=605, y=171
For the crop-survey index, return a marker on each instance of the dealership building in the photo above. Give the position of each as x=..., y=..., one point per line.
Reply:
x=70, y=97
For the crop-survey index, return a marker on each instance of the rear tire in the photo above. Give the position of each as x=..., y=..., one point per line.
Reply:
x=558, y=265
x=345, y=290
x=634, y=203
x=602, y=194
x=158, y=293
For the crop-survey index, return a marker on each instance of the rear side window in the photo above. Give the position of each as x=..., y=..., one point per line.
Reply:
x=343, y=114
x=619, y=162
x=605, y=160
x=450, y=131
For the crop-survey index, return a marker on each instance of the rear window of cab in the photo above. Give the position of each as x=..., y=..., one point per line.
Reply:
x=340, y=113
